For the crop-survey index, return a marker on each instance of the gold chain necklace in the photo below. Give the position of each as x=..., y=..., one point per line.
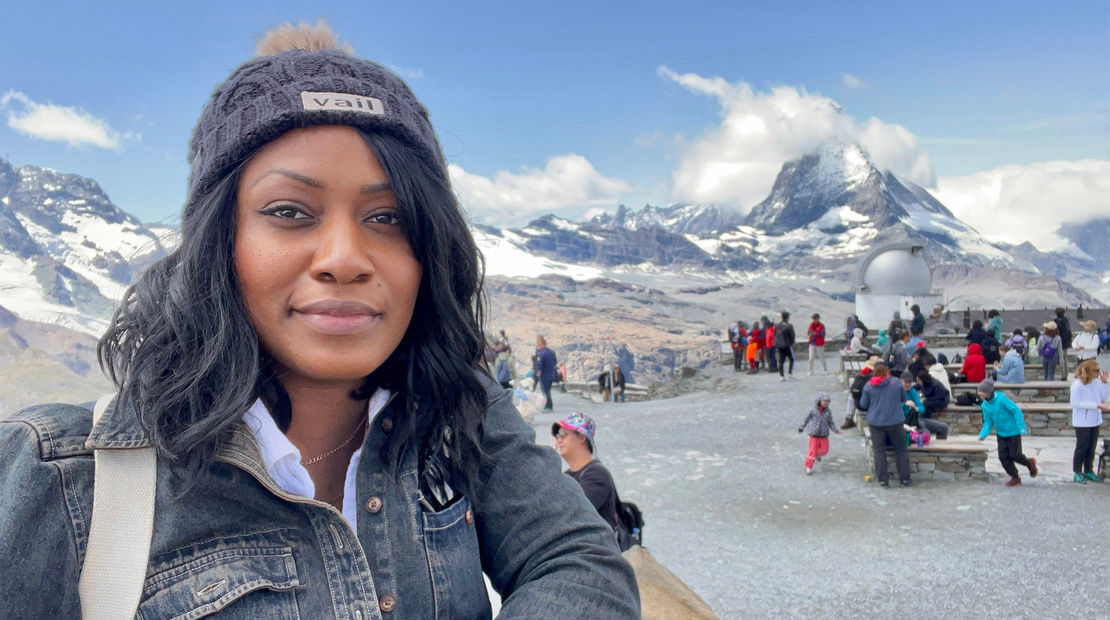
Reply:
x=346, y=441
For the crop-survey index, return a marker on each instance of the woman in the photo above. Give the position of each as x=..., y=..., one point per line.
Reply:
x=1088, y=401
x=306, y=364
x=1032, y=345
x=856, y=345
x=1085, y=342
x=1051, y=348
x=882, y=398
x=994, y=326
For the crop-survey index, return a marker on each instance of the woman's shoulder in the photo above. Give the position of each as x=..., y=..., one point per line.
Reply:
x=54, y=431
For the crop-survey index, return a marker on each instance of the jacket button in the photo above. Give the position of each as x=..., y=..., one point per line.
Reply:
x=387, y=603
x=387, y=424
x=469, y=517
x=374, y=504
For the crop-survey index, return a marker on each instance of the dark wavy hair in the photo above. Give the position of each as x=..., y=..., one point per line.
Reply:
x=183, y=353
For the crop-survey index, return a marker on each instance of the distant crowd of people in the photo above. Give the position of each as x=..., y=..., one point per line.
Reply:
x=765, y=345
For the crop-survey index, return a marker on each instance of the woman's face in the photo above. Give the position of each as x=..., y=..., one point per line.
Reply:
x=325, y=269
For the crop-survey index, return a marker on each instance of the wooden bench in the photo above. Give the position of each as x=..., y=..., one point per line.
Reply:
x=960, y=457
x=1028, y=392
x=1041, y=419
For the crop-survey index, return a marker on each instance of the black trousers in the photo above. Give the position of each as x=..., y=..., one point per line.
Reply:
x=545, y=384
x=881, y=437
x=1086, y=438
x=1009, y=452
x=784, y=353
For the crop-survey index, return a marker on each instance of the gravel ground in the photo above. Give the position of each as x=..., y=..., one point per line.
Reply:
x=728, y=508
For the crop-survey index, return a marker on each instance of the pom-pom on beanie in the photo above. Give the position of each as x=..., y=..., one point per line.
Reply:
x=304, y=78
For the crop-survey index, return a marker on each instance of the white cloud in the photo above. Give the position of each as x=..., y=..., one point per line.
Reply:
x=851, y=81
x=736, y=162
x=567, y=183
x=47, y=121
x=1017, y=203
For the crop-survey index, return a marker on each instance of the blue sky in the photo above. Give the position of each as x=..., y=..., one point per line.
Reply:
x=575, y=106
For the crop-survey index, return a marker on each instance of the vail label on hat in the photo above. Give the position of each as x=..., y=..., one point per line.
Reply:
x=341, y=101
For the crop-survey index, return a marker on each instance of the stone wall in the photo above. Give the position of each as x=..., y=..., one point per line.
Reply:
x=926, y=464
x=969, y=421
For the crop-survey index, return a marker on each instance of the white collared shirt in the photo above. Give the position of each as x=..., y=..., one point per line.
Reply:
x=283, y=460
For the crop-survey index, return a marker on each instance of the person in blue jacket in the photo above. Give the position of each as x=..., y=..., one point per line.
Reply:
x=1011, y=369
x=1005, y=418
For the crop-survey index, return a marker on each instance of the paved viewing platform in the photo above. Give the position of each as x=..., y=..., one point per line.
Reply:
x=718, y=472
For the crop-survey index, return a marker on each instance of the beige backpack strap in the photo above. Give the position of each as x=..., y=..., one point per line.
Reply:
x=119, y=536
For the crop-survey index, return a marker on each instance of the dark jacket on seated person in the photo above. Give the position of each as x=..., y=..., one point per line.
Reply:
x=935, y=397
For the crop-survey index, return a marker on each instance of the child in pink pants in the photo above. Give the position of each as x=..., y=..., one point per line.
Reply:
x=817, y=423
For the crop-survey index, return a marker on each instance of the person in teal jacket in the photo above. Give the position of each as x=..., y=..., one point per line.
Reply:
x=1005, y=418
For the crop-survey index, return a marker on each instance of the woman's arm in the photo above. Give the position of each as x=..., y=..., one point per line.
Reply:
x=545, y=548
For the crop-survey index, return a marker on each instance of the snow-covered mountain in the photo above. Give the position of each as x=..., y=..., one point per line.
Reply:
x=66, y=252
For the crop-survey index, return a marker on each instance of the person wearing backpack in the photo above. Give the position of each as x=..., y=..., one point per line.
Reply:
x=573, y=437
x=1017, y=343
x=1051, y=350
x=1063, y=329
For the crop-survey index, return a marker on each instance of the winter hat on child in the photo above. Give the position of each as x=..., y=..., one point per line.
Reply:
x=986, y=386
x=578, y=422
x=823, y=396
x=302, y=77
x=907, y=376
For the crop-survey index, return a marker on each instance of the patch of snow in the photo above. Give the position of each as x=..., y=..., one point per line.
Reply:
x=504, y=257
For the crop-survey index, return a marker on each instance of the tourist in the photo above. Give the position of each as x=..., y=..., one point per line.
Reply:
x=855, y=391
x=1011, y=369
x=547, y=369
x=1051, y=349
x=974, y=369
x=882, y=341
x=816, y=332
x=505, y=371
x=994, y=326
x=784, y=345
x=737, y=337
x=913, y=408
x=618, y=383
x=850, y=326
x=991, y=349
x=976, y=333
x=305, y=368
x=933, y=395
x=1104, y=340
x=1089, y=393
x=1005, y=418
x=857, y=345
x=1032, y=345
x=897, y=324
x=937, y=371
x=1017, y=342
x=1085, y=342
x=917, y=324
x=755, y=334
x=917, y=359
x=769, y=344
x=574, y=441
x=817, y=424
x=899, y=358
x=882, y=398
x=751, y=354
x=1063, y=329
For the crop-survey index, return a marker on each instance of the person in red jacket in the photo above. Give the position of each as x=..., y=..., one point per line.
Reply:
x=769, y=345
x=816, y=333
x=756, y=335
x=975, y=365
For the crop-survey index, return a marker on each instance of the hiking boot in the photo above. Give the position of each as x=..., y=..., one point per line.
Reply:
x=1033, y=468
x=1080, y=479
x=1090, y=476
x=1014, y=482
x=848, y=423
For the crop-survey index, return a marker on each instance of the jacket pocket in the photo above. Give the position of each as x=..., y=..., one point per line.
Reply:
x=451, y=541
x=237, y=578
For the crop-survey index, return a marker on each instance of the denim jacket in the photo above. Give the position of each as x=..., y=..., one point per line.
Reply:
x=243, y=548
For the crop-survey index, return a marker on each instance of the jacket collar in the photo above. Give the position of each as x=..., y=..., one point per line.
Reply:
x=118, y=429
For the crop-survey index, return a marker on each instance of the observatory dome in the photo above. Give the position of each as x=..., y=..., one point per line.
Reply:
x=894, y=269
